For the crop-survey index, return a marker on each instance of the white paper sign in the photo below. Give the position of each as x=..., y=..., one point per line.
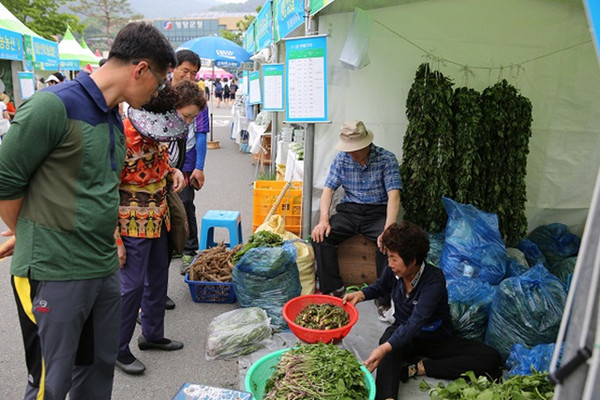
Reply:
x=273, y=87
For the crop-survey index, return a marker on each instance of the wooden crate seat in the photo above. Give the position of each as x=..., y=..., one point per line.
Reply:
x=356, y=260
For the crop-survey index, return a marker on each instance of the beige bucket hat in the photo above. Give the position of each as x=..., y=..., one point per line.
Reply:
x=354, y=136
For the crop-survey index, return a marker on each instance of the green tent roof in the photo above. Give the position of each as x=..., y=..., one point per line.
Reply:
x=10, y=22
x=69, y=49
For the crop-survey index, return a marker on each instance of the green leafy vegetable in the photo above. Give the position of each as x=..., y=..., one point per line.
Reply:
x=317, y=372
x=427, y=168
x=535, y=386
x=259, y=239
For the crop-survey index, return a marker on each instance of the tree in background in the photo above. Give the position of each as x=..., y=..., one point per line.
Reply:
x=112, y=14
x=43, y=17
x=236, y=37
x=242, y=25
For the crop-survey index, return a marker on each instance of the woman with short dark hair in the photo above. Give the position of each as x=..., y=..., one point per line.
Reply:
x=420, y=340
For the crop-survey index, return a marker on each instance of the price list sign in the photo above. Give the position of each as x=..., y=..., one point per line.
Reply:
x=306, y=80
x=272, y=87
x=254, y=96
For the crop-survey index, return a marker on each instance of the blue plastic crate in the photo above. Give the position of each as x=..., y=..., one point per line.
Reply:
x=211, y=292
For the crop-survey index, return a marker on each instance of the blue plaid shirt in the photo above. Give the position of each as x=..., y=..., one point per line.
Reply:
x=368, y=184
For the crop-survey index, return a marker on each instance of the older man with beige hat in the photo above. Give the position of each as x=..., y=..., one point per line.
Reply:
x=370, y=177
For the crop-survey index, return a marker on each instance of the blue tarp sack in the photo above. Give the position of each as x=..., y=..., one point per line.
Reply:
x=473, y=246
x=555, y=242
x=532, y=252
x=470, y=301
x=526, y=309
x=267, y=277
x=522, y=360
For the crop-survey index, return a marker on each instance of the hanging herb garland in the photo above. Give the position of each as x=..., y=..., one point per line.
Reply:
x=506, y=125
x=466, y=106
x=428, y=149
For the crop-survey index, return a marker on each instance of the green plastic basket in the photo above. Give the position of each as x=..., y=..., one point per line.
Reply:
x=261, y=370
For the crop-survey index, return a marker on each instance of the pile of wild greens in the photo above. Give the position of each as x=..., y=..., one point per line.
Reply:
x=258, y=239
x=535, y=386
x=317, y=372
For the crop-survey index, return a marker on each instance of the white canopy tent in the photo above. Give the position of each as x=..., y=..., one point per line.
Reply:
x=70, y=49
x=543, y=47
x=86, y=50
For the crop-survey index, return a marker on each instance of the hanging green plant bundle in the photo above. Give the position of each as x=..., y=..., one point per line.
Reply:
x=468, y=170
x=428, y=149
x=467, y=146
x=506, y=126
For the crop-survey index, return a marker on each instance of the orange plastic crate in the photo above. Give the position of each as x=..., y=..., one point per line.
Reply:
x=290, y=208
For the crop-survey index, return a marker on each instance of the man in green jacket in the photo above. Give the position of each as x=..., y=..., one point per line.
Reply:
x=60, y=166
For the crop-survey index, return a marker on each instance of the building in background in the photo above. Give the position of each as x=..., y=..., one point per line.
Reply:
x=179, y=30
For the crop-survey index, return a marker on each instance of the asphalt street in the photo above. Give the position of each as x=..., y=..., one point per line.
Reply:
x=228, y=186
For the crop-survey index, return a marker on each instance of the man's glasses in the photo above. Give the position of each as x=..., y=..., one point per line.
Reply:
x=162, y=83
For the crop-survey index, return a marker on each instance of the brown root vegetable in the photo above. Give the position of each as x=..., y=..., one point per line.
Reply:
x=213, y=265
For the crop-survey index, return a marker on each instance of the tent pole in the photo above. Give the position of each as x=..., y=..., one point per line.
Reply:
x=309, y=144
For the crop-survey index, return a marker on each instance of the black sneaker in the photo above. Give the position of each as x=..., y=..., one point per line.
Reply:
x=408, y=371
x=170, y=304
x=382, y=307
x=341, y=292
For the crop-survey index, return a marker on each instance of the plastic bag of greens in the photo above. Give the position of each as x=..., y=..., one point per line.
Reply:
x=517, y=255
x=470, y=301
x=563, y=269
x=522, y=359
x=555, y=242
x=473, y=246
x=526, y=309
x=237, y=332
x=267, y=277
x=532, y=252
x=514, y=268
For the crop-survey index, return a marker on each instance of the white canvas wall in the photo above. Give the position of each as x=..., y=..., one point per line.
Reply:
x=564, y=88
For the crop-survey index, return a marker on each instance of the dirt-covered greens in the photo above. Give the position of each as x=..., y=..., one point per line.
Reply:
x=323, y=317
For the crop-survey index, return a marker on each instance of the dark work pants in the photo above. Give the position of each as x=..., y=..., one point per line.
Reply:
x=187, y=198
x=144, y=281
x=70, y=331
x=447, y=358
x=350, y=219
